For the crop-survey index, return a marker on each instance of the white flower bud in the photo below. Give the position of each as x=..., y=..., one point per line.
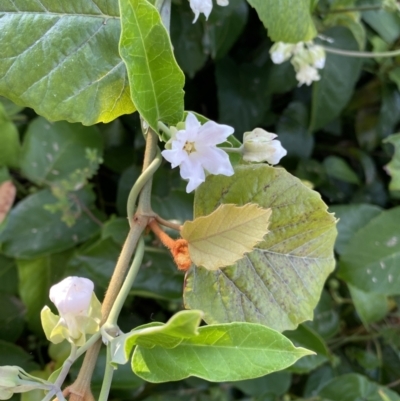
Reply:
x=281, y=52
x=223, y=3
x=14, y=379
x=201, y=6
x=260, y=145
x=80, y=311
x=72, y=295
x=317, y=56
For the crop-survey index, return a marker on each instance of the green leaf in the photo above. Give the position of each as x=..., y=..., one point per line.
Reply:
x=155, y=78
x=352, y=387
x=292, y=131
x=32, y=231
x=394, y=166
x=187, y=39
x=338, y=78
x=307, y=337
x=326, y=320
x=8, y=276
x=10, y=146
x=275, y=384
x=11, y=318
x=36, y=276
x=370, y=306
x=76, y=73
x=52, y=151
x=242, y=99
x=338, y=168
x=386, y=24
x=370, y=261
x=286, y=21
x=13, y=355
x=351, y=218
x=225, y=235
x=217, y=352
x=182, y=325
x=224, y=26
x=280, y=282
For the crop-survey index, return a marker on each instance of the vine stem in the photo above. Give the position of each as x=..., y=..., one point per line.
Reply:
x=80, y=389
x=349, y=53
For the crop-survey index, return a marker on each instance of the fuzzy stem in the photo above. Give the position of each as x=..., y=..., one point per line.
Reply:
x=126, y=287
x=349, y=53
x=162, y=235
x=168, y=223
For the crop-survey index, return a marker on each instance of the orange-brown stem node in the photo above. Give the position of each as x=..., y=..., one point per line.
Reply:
x=179, y=248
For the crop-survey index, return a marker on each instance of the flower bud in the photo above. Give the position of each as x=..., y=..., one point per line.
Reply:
x=260, y=146
x=80, y=311
x=317, y=56
x=281, y=52
x=14, y=379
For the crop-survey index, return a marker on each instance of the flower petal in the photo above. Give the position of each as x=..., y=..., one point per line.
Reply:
x=215, y=161
x=213, y=134
x=192, y=170
x=174, y=156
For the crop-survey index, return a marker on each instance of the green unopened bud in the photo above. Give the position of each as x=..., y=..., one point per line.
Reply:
x=79, y=308
x=260, y=146
x=14, y=379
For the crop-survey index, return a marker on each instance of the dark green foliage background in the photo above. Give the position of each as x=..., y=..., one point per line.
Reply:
x=334, y=132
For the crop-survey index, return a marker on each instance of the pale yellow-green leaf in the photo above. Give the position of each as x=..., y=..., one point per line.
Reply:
x=224, y=236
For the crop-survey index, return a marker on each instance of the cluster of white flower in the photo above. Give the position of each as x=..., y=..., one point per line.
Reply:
x=194, y=149
x=205, y=7
x=306, y=58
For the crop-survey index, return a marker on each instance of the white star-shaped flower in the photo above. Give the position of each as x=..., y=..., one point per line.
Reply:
x=194, y=150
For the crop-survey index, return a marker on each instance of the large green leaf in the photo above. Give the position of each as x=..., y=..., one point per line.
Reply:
x=32, y=231
x=338, y=78
x=52, y=151
x=351, y=218
x=155, y=78
x=370, y=261
x=370, y=306
x=184, y=324
x=352, y=387
x=11, y=354
x=226, y=352
x=280, y=282
x=286, y=20
x=61, y=59
x=11, y=317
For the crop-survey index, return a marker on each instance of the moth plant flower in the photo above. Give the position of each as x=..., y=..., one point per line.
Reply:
x=306, y=57
x=261, y=146
x=79, y=311
x=14, y=379
x=194, y=149
x=205, y=7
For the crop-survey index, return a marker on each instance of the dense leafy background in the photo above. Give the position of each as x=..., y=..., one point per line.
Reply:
x=338, y=136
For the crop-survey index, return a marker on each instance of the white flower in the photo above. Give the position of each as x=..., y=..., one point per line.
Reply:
x=281, y=52
x=201, y=6
x=79, y=309
x=194, y=150
x=72, y=295
x=317, y=56
x=260, y=145
x=307, y=74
